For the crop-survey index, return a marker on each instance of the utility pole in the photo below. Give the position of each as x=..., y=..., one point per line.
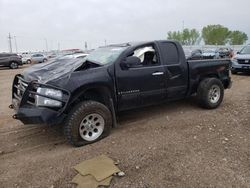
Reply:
x=105, y=42
x=10, y=45
x=86, y=46
x=183, y=25
x=46, y=44
x=15, y=43
x=58, y=46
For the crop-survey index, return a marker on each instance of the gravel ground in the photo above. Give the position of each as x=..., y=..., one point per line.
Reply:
x=168, y=145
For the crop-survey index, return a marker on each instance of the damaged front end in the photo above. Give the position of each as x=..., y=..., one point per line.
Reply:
x=36, y=102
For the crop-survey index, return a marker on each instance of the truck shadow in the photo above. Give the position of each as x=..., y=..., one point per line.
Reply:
x=170, y=108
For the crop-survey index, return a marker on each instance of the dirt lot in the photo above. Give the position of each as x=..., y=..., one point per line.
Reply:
x=169, y=145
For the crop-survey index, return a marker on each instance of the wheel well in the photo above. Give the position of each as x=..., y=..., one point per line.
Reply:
x=101, y=95
x=202, y=77
x=208, y=76
x=224, y=82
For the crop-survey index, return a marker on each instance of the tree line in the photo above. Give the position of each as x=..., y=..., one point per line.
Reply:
x=210, y=34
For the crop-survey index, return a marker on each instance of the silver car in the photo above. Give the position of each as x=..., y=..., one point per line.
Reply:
x=241, y=62
x=38, y=58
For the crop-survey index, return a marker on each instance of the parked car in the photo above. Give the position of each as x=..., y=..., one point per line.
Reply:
x=26, y=58
x=38, y=58
x=225, y=52
x=241, y=61
x=194, y=55
x=86, y=94
x=10, y=60
x=210, y=54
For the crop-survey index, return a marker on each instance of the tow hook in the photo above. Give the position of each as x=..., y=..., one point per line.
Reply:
x=11, y=106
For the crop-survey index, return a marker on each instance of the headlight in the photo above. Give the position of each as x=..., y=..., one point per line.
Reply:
x=43, y=101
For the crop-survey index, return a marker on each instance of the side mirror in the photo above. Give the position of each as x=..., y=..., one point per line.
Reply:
x=132, y=61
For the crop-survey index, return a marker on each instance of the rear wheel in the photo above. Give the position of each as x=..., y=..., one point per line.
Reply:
x=29, y=61
x=87, y=122
x=210, y=93
x=13, y=65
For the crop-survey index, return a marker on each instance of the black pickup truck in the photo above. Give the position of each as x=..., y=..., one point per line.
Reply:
x=86, y=94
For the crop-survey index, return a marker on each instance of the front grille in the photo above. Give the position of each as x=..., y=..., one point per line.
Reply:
x=243, y=61
x=19, y=88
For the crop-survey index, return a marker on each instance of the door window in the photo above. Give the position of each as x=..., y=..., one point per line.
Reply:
x=146, y=55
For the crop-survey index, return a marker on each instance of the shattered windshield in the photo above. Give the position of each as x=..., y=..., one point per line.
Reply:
x=105, y=55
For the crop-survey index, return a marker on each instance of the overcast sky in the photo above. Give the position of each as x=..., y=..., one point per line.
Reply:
x=69, y=23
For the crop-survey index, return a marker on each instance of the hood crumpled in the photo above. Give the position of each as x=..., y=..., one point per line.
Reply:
x=52, y=70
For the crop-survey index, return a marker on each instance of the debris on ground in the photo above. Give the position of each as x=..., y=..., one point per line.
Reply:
x=96, y=172
x=119, y=174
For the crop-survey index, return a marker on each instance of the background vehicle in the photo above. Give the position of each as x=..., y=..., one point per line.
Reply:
x=194, y=55
x=87, y=93
x=210, y=54
x=241, y=61
x=10, y=60
x=38, y=58
x=74, y=56
x=26, y=58
x=225, y=52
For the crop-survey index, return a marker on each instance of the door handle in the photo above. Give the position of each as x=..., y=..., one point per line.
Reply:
x=157, y=73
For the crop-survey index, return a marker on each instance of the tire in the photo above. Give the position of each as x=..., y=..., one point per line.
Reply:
x=87, y=122
x=13, y=65
x=210, y=93
x=44, y=60
x=233, y=72
x=28, y=61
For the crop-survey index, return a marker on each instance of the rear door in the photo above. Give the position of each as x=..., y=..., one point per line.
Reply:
x=142, y=85
x=176, y=69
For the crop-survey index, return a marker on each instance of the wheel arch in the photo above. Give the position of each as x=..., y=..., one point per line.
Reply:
x=195, y=83
x=99, y=93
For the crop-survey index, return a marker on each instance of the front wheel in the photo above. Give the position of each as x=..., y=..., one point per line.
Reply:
x=87, y=122
x=210, y=93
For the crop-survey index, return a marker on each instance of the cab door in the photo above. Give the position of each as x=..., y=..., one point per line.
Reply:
x=143, y=84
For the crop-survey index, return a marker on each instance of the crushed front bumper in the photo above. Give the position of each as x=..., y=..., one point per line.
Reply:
x=23, y=102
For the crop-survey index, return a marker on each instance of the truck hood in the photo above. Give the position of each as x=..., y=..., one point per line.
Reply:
x=52, y=70
x=242, y=56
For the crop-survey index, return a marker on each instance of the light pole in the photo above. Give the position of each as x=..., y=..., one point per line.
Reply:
x=15, y=43
x=46, y=44
x=10, y=45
